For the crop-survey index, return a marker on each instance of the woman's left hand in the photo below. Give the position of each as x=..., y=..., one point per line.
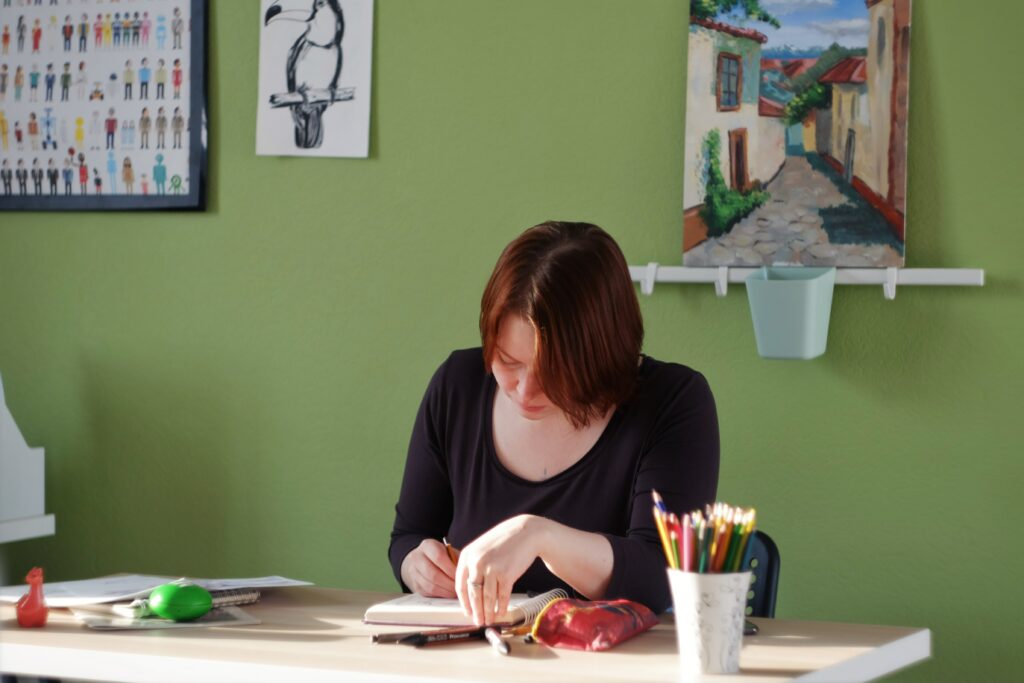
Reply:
x=489, y=566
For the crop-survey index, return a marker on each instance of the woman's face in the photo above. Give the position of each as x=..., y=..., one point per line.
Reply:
x=514, y=368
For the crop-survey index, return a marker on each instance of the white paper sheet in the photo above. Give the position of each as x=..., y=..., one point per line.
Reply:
x=128, y=586
x=327, y=111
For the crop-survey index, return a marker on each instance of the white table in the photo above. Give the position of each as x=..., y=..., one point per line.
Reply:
x=316, y=634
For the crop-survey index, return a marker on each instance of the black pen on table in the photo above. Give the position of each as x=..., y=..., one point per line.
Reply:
x=449, y=635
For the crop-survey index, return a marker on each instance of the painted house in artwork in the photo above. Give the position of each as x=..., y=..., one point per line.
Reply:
x=868, y=134
x=888, y=65
x=725, y=96
x=849, y=146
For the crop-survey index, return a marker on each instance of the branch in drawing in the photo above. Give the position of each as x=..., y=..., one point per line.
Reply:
x=313, y=66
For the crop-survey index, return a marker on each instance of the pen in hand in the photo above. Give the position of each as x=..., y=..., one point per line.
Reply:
x=453, y=554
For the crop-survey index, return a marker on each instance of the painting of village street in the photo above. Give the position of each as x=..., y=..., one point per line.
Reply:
x=796, y=133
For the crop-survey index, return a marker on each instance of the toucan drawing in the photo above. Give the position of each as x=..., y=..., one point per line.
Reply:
x=313, y=66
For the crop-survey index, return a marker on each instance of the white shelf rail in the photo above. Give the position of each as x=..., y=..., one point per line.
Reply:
x=888, y=278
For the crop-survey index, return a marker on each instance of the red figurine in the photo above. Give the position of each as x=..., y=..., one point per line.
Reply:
x=32, y=609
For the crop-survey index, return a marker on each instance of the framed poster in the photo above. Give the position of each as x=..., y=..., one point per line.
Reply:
x=314, y=78
x=796, y=133
x=102, y=105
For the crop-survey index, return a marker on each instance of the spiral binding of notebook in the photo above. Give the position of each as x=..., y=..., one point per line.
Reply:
x=222, y=598
x=534, y=606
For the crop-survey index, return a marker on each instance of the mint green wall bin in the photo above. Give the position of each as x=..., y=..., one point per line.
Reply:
x=790, y=308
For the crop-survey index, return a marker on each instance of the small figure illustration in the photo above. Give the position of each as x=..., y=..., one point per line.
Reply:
x=33, y=131
x=18, y=136
x=37, y=177
x=65, y=82
x=67, y=31
x=80, y=80
x=31, y=609
x=97, y=181
x=80, y=132
x=136, y=29
x=5, y=40
x=108, y=30
x=159, y=175
x=97, y=92
x=21, y=175
x=4, y=77
x=48, y=122
x=126, y=30
x=22, y=30
x=52, y=31
x=112, y=172
x=33, y=83
x=128, y=176
x=115, y=28
x=144, y=75
x=177, y=28
x=126, y=139
x=112, y=86
x=110, y=125
x=146, y=26
x=144, y=184
x=19, y=82
x=161, y=78
x=6, y=177
x=37, y=35
x=161, y=129
x=176, y=78
x=97, y=27
x=4, y=138
x=68, y=175
x=175, y=184
x=129, y=79
x=83, y=174
x=177, y=126
x=161, y=32
x=145, y=123
x=83, y=33
x=52, y=176
x=50, y=79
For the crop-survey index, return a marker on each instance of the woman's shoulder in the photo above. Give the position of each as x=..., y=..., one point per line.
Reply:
x=461, y=369
x=662, y=380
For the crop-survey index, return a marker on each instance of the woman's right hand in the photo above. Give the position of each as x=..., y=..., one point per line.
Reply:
x=429, y=571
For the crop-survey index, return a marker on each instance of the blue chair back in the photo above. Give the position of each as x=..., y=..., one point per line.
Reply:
x=763, y=560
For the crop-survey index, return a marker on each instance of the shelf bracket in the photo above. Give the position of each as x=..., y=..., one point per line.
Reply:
x=722, y=281
x=650, y=276
x=889, y=286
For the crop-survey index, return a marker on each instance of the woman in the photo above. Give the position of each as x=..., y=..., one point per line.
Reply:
x=537, y=454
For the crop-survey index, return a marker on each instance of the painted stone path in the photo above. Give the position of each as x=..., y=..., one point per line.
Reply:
x=808, y=221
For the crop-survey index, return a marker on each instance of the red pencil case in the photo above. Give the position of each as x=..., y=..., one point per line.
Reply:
x=591, y=625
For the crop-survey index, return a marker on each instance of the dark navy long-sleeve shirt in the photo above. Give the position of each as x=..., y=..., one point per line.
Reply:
x=665, y=437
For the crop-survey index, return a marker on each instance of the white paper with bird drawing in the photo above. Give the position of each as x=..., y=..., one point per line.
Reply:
x=315, y=65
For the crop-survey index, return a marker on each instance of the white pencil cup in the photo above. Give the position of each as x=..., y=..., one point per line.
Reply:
x=709, y=620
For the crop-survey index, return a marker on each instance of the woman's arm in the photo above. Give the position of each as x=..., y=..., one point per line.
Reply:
x=490, y=565
x=424, y=509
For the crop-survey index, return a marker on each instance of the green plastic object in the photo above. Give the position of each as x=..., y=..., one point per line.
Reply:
x=180, y=601
x=791, y=309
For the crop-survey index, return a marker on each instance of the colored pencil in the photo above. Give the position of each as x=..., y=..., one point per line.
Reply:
x=659, y=522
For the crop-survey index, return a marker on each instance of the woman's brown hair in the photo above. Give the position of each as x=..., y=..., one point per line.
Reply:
x=571, y=282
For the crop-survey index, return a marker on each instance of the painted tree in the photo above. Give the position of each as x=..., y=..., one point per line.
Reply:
x=751, y=9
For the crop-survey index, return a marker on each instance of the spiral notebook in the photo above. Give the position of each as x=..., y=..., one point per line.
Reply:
x=418, y=610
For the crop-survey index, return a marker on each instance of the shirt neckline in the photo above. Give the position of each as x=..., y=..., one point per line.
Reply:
x=492, y=451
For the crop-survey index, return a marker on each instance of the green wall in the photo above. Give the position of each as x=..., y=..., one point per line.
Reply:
x=230, y=393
